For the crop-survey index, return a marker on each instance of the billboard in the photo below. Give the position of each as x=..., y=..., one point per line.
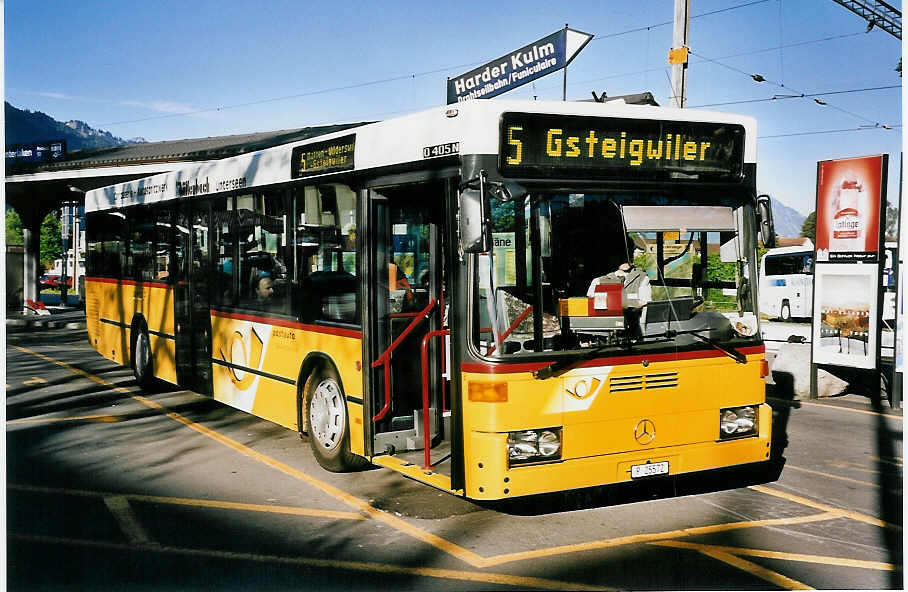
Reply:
x=542, y=57
x=850, y=202
x=846, y=315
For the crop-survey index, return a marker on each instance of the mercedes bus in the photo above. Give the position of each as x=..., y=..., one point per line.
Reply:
x=497, y=298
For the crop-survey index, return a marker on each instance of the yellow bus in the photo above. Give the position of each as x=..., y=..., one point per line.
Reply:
x=497, y=298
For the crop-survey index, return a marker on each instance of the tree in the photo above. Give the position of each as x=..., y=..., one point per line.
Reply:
x=51, y=240
x=809, y=228
x=13, y=228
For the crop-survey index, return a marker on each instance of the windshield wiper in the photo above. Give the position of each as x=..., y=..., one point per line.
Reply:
x=562, y=366
x=730, y=352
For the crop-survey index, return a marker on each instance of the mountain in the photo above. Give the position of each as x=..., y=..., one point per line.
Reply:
x=24, y=127
x=787, y=221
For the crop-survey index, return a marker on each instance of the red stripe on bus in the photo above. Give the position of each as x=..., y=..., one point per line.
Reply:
x=151, y=283
x=488, y=368
x=289, y=324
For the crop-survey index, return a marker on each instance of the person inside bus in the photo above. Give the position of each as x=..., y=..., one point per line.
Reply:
x=264, y=288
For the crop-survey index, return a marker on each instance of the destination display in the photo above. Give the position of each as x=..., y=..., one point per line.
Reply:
x=541, y=146
x=319, y=158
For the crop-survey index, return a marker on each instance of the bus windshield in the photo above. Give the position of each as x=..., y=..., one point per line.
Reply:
x=616, y=272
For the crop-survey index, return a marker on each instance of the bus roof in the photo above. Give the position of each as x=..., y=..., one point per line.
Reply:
x=807, y=247
x=471, y=126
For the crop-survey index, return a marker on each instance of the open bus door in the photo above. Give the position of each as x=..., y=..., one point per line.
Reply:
x=407, y=333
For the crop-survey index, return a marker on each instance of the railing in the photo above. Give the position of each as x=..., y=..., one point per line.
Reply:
x=510, y=330
x=425, y=392
x=385, y=358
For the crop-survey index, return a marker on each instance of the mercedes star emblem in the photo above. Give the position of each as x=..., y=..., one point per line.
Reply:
x=645, y=431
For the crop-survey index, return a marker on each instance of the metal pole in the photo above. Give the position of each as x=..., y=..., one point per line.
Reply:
x=898, y=339
x=75, y=244
x=564, y=78
x=65, y=224
x=679, y=40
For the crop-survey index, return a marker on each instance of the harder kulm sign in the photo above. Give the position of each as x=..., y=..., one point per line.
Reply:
x=540, y=58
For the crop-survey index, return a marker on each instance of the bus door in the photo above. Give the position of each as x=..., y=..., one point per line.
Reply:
x=406, y=295
x=191, y=301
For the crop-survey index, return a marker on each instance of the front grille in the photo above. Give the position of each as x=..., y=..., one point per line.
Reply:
x=643, y=382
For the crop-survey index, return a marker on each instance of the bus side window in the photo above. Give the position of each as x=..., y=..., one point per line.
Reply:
x=325, y=254
x=223, y=222
x=262, y=244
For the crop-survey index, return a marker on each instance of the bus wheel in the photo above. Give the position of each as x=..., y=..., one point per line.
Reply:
x=329, y=430
x=785, y=313
x=142, y=363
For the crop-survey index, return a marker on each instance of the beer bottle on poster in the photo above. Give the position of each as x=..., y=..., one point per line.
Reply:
x=848, y=223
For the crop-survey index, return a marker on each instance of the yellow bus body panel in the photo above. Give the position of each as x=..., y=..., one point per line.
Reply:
x=257, y=365
x=598, y=409
x=111, y=306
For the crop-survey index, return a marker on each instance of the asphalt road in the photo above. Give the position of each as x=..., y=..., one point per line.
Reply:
x=110, y=488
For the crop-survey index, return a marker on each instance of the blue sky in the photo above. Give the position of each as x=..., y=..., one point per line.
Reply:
x=166, y=70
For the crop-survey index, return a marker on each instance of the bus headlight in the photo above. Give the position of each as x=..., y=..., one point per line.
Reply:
x=736, y=422
x=533, y=446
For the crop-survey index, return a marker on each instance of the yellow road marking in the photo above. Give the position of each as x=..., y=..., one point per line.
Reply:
x=657, y=536
x=892, y=460
x=127, y=520
x=385, y=568
x=183, y=501
x=842, y=408
x=473, y=558
x=831, y=476
x=821, y=559
x=34, y=380
x=810, y=503
x=742, y=564
x=101, y=418
x=343, y=496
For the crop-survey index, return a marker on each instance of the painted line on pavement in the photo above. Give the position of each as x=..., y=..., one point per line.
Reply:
x=520, y=582
x=473, y=558
x=752, y=568
x=851, y=409
x=658, y=536
x=128, y=521
x=832, y=476
x=338, y=494
x=99, y=418
x=820, y=506
x=201, y=503
x=820, y=559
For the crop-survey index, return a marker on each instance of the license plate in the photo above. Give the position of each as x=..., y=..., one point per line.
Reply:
x=649, y=469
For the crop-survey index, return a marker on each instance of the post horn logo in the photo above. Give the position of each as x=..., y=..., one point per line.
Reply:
x=644, y=431
x=585, y=387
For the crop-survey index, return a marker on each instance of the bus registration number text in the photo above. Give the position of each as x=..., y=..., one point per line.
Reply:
x=649, y=469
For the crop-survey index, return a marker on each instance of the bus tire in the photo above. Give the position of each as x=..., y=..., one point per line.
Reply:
x=328, y=423
x=141, y=359
x=785, y=312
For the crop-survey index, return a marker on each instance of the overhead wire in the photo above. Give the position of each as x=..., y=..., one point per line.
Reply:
x=389, y=79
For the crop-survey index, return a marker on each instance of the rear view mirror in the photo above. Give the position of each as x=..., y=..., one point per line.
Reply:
x=764, y=219
x=472, y=223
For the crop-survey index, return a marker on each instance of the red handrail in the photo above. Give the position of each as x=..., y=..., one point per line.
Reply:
x=424, y=354
x=513, y=326
x=385, y=358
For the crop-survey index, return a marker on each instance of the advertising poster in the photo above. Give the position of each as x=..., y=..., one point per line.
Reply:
x=845, y=315
x=849, y=195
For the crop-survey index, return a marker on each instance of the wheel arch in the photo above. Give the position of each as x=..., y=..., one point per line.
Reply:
x=312, y=362
x=137, y=324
